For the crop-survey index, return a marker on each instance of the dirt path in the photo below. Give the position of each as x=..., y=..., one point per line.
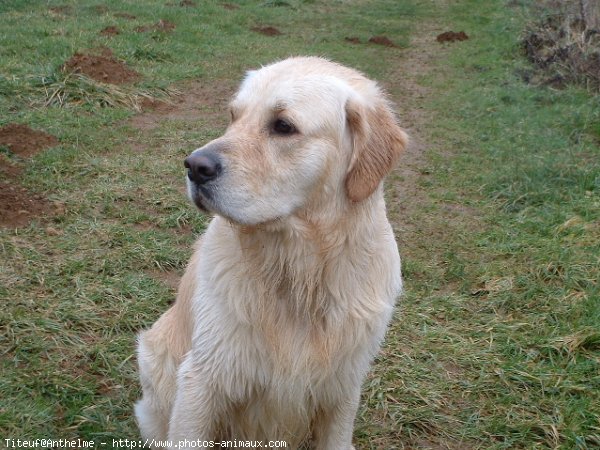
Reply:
x=423, y=226
x=405, y=194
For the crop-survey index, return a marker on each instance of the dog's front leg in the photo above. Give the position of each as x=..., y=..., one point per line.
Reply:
x=196, y=410
x=334, y=426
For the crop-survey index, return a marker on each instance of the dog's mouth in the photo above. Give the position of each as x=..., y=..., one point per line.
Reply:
x=198, y=201
x=201, y=198
x=200, y=195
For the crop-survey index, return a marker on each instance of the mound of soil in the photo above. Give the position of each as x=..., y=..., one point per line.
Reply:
x=18, y=206
x=162, y=25
x=267, y=31
x=110, y=31
x=104, y=68
x=451, y=36
x=25, y=141
x=382, y=40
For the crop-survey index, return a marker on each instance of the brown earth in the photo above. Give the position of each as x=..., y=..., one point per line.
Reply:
x=353, y=40
x=230, y=6
x=8, y=169
x=187, y=3
x=162, y=25
x=267, y=31
x=110, y=31
x=382, y=40
x=199, y=100
x=24, y=141
x=103, y=67
x=451, y=36
x=18, y=205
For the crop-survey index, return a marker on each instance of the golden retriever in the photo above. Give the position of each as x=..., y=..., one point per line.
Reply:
x=289, y=291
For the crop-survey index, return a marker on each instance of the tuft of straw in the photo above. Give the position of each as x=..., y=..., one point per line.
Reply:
x=70, y=88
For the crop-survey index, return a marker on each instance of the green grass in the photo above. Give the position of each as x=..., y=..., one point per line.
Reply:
x=504, y=300
x=496, y=343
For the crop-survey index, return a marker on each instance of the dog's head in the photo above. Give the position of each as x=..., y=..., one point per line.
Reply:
x=303, y=132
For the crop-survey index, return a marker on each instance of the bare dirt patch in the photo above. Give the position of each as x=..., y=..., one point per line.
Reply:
x=187, y=3
x=110, y=31
x=162, y=25
x=8, y=170
x=405, y=192
x=25, y=141
x=414, y=213
x=198, y=100
x=103, y=67
x=352, y=40
x=452, y=36
x=382, y=40
x=18, y=205
x=150, y=104
x=230, y=6
x=267, y=31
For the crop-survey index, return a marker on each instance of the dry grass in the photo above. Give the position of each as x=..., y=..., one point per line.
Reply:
x=66, y=88
x=495, y=343
x=563, y=49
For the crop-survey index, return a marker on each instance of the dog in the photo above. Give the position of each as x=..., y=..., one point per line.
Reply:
x=289, y=292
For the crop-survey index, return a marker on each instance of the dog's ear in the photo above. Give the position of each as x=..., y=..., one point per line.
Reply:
x=378, y=141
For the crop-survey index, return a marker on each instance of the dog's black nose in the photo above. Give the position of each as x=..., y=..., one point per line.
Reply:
x=203, y=167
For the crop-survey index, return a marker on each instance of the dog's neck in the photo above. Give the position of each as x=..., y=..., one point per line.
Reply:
x=300, y=259
x=319, y=231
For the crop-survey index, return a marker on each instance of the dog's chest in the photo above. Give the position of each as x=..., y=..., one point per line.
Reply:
x=286, y=336
x=291, y=318
x=274, y=379
x=292, y=380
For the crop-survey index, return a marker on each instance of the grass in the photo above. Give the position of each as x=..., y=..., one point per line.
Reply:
x=496, y=342
x=512, y=277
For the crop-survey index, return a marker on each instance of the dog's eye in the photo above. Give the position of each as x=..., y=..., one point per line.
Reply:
x=281, y=126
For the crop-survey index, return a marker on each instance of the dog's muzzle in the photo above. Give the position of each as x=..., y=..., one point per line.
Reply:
x=204, y=167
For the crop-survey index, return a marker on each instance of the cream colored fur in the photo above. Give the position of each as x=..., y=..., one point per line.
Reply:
x=289, y=292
